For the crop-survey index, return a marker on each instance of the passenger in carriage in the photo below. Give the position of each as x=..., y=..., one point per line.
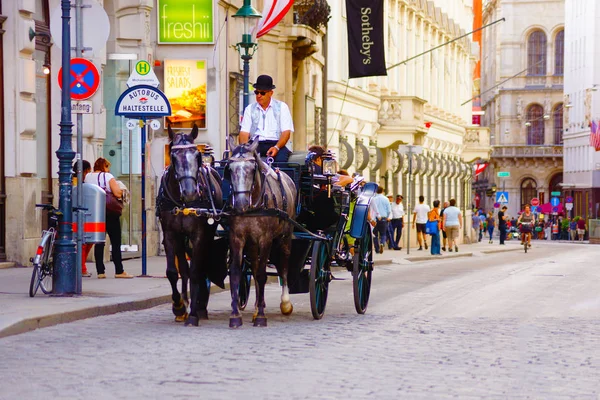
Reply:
x=338, y=179
x=269, y=120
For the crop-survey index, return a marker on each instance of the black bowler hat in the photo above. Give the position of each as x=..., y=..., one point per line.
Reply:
x=264, y=82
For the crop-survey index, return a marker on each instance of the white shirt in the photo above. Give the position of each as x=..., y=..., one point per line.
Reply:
x=98, y=178
x=267, y=124
x=422, y=210
x=397, y=210
x=452, y=214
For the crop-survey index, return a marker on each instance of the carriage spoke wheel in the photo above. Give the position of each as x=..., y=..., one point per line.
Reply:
x=245, y=280
x=362, y=271
x=320, y=276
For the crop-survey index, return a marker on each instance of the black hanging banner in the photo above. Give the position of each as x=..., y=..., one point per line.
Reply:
x=366, y=53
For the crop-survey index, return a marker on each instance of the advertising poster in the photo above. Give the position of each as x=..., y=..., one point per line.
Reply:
x=185, y=87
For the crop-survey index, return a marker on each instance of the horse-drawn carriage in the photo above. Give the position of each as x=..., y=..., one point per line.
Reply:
x=241, y=214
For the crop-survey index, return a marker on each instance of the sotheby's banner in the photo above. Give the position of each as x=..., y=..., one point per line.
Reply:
x=366, y=53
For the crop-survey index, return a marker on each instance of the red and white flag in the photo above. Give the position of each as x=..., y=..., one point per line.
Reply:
x=595, y=135
x=273, y=12
x=479, y=168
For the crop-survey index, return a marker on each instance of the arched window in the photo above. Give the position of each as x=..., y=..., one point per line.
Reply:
x=558, y=123
x=536, y=53
x=555, y=185
x=559, y=53
x=535, y=125
x=528, y=191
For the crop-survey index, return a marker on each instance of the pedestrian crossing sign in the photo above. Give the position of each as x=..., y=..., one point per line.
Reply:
x=501, y=197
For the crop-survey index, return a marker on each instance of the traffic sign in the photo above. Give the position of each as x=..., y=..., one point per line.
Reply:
x=501, y=197
x=569, y=206
x=496, y=205
x=154, y=124
x=503, y=174
x=85, y=79
x=555, y=194
x=569, y=199
x=554, y=210
x=535, y=201
x=142, y=74
x=143, y=101
x=554, y=201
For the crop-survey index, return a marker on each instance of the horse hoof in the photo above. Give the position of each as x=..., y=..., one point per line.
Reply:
x=260, y=321
x=286, y=308
x=191, y=321
x=179, y=309
x=235, y=322
x=181, y=318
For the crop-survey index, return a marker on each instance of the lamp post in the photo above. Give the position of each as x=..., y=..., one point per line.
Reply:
x=409, y=150
x=247, y=47
x=64, y=282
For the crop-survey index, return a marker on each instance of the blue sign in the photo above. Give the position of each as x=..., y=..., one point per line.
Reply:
x=501, y=197
x=554, y=201
x=555, y=210
x=569, y=199
x=143, y=101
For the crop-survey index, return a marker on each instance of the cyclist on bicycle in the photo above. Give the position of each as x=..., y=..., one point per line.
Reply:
x=526, y=220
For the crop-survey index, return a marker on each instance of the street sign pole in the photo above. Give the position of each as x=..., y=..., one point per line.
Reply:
x=143, y=123
x=79, y=201
x=64, y=274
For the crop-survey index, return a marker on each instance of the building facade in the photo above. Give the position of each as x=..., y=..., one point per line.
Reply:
x=523, y=65
x=422, y=102
x=582, y=81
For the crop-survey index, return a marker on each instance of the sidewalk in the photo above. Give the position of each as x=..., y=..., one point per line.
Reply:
x=20, y=313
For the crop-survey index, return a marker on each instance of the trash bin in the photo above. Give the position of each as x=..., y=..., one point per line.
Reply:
x=94, y=222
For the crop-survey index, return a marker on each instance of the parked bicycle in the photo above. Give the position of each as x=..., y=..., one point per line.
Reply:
x=43, y=261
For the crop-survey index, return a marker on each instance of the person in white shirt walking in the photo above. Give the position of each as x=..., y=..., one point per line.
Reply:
x=397, y=222
x=420, y=219
x=382, y=206
x=452, y=224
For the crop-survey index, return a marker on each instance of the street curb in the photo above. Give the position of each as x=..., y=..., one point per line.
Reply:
x=8, y=264
x=443, y=257
x=501, y=250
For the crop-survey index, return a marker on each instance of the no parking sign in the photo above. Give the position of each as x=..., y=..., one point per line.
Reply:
x=85, y=79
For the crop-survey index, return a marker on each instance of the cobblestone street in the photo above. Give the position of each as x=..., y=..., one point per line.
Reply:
x=506, y=326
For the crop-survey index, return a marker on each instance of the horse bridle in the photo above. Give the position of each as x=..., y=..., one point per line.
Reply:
x=256, y=172
x=198, y=155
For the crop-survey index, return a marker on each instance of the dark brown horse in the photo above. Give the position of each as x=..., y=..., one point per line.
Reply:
x=189, y=192
x=256, y=227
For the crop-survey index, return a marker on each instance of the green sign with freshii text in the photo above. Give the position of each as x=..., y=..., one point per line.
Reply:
x=185, y=21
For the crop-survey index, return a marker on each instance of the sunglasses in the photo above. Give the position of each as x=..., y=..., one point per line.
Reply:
x=261, y=92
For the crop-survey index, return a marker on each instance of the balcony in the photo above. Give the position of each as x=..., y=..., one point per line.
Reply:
x=477, y=143
x=525, y=151
x=400, y=118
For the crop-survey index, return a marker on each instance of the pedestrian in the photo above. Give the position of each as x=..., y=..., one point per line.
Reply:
x=434, y=215
x=85, y=247
x=268, y=120
x=397, y=222
x=555, y=230
x=573, y=228
x=390, y=230
x=548, y=230
x=452, y=223
x=444, y=235
x=491, y=223
x=103, y=178
x=419, y=220
x=581, y=228
x=502, y=219
x=383, y=215
x=476, y=224
x=482, y=218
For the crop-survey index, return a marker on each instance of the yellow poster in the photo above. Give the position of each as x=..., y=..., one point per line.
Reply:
x=185, y=87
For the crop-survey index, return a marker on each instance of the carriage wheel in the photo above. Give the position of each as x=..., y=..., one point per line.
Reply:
x=245, y=280
x=320, y=275
x=363, y=268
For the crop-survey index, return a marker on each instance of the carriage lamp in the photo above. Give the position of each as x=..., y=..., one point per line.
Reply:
x=207, y=155
x=247, y=47
x=329, y=164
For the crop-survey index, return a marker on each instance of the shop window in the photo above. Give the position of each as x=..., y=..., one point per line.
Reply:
x=559, y=53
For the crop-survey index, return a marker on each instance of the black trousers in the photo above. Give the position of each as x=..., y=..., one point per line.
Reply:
x=265, y=145
x=113, y=228
x=502, y=234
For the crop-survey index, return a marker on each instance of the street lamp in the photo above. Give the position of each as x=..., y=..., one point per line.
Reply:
x=247, y=47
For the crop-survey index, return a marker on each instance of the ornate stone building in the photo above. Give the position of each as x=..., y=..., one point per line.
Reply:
x=421, y=102
x=522, y=96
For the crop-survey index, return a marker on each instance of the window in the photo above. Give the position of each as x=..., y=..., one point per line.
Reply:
x=536, y=53
x=528, y=191
x=535, y=122
x=558, y=123
x=559, y=53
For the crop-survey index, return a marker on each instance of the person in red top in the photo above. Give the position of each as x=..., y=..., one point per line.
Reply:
x=581, y=229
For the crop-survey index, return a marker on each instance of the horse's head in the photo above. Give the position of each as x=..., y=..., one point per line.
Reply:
x=185, y=159
x=242, y=170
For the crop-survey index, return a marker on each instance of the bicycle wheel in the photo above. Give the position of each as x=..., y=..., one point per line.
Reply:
x=35, y=281
x=46, y=271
